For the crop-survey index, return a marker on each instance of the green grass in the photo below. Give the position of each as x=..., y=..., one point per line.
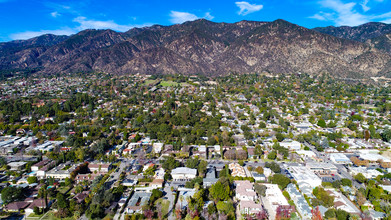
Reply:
x=33, y=216
x=150, y=81
x=168, y=83
x=50, y=216
x=63, y=189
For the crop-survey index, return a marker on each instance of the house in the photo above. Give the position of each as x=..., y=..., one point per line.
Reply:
x=60, y=172
x=210, y=177
x=250, y=207
x=237, y=170
x=16, y=206
x=129, y=182
x=99, y=168
x=157, y=183
x=39, y=165
x=375, y=215
x=17, y=165
x=88, y=177
x=40, y=203
x=137, y=201
x=183, y=174
x=341, y=202
x=245, y=190
x=157, y=147
x=185, y=193
x=159, y=173
x=259, y=177
x=81, y=196
x=368, y=173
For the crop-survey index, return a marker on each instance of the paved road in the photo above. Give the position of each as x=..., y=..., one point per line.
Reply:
x=170, y=197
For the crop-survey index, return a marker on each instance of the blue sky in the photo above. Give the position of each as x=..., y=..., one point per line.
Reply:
x=23, y=19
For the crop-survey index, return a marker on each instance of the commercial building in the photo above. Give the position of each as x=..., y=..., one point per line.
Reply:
x=304, y=175
x=322, y=168
x=339, y=158
x=301, y=204
x=291, y=145
x=273, y=199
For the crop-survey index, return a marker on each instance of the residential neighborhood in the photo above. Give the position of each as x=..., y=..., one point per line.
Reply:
x=189, y=147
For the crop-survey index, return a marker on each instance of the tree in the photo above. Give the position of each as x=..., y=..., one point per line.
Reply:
x=330, y=213
x=202, y=167
x=342, y=214
x=273, y=166
x=281, y=180
x=280, y=137
x=36, y=210
x=272, y=155
x=61, y=201
x=32, y=179
x=367, y=135
x=225, y=207
x=150, y=171
x=212, y=209
x=68, y=181
x=260, y=189
x=323, y=196
x=11, y=194
x=170, y=163
x=259, y=170
x=346, y=182
x=219, y=191
x=321, y=123
x=386, y=135
x=156, y=194
x=192, y=163
x=3, y=161
x=360, y=178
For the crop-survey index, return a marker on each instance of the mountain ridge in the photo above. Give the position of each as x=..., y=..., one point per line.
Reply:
x=200, y=47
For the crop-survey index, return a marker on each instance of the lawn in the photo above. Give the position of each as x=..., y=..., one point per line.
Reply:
x=33, y=216
x=168, y=83
x=150, y=81
x=63, y=189
x=50, y=216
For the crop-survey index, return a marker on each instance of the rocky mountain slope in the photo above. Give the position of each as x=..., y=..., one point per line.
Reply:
x=199, y=47
x=360, y=33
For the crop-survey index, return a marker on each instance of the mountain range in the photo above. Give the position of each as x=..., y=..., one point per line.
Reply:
x=209, y=48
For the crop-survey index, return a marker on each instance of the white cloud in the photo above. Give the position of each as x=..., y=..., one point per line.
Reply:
x=387, y=21
x=364, y=5
x=85, y=23
x=208, y=16
x=247, y=8
x=343, y=13
x=55, y=14
x=178, y=17
x=82, y=24
x=31, y=34
x=346, y=13
x=322, y=16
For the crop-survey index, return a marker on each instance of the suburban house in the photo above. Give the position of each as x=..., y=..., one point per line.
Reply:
x=210, y=177
x=183, y=174
x=245, y=190
x=99, y=168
